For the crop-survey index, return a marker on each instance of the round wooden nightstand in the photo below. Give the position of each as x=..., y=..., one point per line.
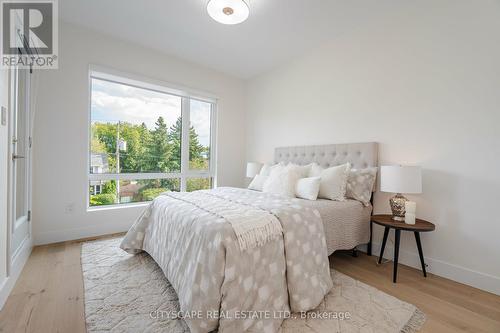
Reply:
x=387, y=222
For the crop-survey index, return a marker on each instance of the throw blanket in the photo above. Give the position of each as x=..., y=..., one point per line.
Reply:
x=228, y=286
x=252, y=226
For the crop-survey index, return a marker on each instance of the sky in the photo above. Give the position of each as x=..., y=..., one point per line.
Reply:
x=113, y=102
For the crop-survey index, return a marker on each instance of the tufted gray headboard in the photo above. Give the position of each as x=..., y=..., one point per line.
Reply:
x=360, y=155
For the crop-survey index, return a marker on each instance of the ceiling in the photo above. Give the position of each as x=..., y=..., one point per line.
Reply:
x=276, y=31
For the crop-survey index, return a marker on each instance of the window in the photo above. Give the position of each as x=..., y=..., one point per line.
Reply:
x=97, y=189
x=146, y=139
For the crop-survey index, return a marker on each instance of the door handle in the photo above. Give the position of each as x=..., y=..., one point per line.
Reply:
x=15, y=157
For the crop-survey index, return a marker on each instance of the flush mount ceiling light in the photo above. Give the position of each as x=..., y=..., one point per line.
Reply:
x=228, y=11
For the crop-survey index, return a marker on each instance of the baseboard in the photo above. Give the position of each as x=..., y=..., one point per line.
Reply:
x=18, y=262
x=56, y=236
x=453, y=272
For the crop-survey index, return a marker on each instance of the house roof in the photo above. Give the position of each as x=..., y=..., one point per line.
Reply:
x=99, y=160
x=130, y=190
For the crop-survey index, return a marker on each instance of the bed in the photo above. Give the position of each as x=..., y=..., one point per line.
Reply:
x=346, y=224
x=242, y=260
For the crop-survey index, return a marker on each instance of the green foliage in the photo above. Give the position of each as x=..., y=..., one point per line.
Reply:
x=105, y=134
x=151, y=193
x=195, y=148
x=156, y=150
x=194, y=184
x=96, y=145
x=135, y=158
x=109, y=187
x=160, y=149
x=198, y=164
x=174, y=137
x=102, y=199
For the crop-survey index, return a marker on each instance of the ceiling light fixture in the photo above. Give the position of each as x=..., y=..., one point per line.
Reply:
x=228, y=11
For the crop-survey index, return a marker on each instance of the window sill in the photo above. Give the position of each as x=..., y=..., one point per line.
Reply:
x=118, y=206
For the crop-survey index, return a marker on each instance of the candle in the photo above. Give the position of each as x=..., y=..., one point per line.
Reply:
x=409, y=218
x=411, y=207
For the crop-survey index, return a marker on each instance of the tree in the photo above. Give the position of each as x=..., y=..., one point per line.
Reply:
x=96, y=145
x=106, y=135
x=134, y=159
x=175, y=137
x=159, y=148
x=156, y=150
x=145, y=160
x=109, y=187
x=195, y=148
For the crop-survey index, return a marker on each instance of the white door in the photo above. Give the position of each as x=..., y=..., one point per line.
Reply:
x=20, y=173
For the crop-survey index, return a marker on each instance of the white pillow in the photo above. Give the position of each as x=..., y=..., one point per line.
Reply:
x=308, y=188
x=333, y=181
x=268, y=168
x=360, y=184
x=265, y=170
x=315, y=170
x=281, y=182
x=302, y=170
x=257, y=183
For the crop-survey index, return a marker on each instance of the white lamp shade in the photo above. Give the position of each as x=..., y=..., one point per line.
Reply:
x=253, y=169
x=401, y=179
x=228, y=11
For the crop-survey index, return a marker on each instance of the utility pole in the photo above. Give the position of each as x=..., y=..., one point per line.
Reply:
x=120, y=145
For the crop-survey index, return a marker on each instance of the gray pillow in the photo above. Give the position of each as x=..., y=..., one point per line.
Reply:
x=360, y=184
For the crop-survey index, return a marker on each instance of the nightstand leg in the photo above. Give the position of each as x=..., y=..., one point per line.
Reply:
x=420, y=253
x=396, y=254
x=386, y=233
x=369, y=250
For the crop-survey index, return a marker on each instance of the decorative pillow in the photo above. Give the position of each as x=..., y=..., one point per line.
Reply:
x=302, y=170
x=257, y=183
x=265, y=170
x=281, y=182
x=315, y=170
x=360, y=184
x=308, y=188
x=333, y=181
x=268, y=168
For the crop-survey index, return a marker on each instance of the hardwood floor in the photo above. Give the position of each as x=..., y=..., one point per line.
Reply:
x=48, y=297
x=448, y=305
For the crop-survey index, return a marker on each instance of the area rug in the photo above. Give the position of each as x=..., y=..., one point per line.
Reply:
x=123, y=290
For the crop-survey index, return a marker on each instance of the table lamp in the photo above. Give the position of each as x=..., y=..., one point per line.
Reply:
x=400, y=179
x=253, y=169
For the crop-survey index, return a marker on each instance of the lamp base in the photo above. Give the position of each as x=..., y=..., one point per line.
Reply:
x=397, y=203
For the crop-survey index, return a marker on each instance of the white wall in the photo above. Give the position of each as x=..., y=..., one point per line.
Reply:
x=61, y=121
x=424, y=82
